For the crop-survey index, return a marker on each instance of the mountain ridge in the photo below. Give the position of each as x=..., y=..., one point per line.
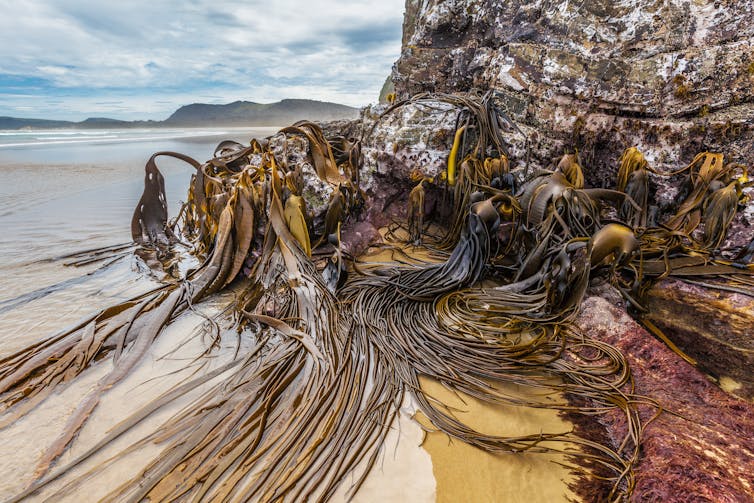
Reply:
x=237, y=113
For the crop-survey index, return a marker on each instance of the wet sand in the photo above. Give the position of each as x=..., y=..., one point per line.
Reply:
x=465, y=473
x=461, y=472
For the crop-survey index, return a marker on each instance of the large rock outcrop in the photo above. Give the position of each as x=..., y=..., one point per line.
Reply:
x=672, y=78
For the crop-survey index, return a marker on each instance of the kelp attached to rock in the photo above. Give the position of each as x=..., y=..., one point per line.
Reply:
x=331, y=350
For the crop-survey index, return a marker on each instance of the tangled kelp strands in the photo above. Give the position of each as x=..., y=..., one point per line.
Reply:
x=330, y=349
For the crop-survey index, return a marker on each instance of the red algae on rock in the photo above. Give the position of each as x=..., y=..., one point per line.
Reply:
x=713, y=326
x=701, y=448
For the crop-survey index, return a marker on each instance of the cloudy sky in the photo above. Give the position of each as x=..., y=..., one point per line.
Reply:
x=141, y=59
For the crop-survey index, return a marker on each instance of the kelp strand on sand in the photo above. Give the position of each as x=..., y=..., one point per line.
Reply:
x=330, y=352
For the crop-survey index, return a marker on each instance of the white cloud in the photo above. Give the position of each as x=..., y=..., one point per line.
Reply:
x=152, y=55
x=52, y=70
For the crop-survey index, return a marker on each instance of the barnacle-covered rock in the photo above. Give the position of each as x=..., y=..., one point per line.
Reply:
x=292, y=150
x=672, y=78
x=414, y=138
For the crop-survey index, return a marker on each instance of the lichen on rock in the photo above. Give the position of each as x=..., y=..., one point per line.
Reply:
x=669, y=77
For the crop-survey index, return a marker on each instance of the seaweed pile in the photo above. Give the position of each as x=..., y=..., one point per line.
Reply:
x=333, y=345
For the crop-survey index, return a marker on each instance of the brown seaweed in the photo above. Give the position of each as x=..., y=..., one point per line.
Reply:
x=333, y=351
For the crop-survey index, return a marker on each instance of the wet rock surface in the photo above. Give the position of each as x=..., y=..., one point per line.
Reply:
x=700, y=448
x=712, y=326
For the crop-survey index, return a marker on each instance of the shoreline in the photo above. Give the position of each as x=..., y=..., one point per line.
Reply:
x=118, y=135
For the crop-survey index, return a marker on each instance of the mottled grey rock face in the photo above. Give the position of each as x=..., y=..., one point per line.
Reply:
x=414, y=138
x=671, y=77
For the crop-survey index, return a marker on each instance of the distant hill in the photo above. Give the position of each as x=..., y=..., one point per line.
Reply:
x=14, y=123
x=247, y=113
x=238, y=113
x=104, y=122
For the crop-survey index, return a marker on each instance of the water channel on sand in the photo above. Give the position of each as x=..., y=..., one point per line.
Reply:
x=63, y=197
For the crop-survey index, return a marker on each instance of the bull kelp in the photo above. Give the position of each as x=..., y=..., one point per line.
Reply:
x=332, y=345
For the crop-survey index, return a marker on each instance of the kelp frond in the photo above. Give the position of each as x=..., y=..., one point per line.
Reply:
x=331, y=352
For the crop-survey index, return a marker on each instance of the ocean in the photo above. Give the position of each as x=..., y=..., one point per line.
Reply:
x=69, y=160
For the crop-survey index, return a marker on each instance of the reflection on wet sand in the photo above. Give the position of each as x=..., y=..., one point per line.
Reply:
x=465, y=473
